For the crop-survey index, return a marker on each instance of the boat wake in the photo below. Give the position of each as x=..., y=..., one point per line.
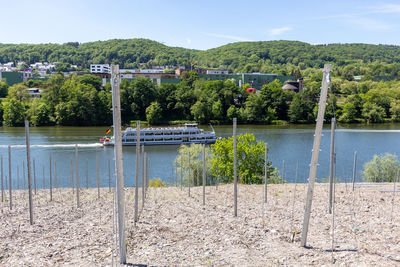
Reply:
x=57, y=145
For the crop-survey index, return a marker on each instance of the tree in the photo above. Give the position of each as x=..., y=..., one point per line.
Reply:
x=254, y=109
x=3, y=89
x=93, y=80
x=154, y=113
x=301, y=108
x=349, y=113
x=217, y=110
x=395, y=110
x=373, y=113
x=383, y=168
x=14, y=112
x=250, y=154
x=18, y=91
x=196, y=163
x=190, y=77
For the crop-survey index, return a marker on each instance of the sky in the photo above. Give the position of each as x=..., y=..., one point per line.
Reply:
x=201, y=24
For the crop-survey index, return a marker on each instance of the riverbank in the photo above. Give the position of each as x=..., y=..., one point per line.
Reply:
x=175, y=229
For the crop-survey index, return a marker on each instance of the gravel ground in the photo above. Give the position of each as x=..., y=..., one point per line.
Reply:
x=175, y=229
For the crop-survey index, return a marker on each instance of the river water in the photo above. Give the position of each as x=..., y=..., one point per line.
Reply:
x=289, y=143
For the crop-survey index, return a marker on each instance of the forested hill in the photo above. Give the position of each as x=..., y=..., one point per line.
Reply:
x=263, y=56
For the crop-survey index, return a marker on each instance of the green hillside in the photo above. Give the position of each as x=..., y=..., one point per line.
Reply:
x=267, y=56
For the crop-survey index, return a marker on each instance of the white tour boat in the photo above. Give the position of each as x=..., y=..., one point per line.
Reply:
x=188, y=134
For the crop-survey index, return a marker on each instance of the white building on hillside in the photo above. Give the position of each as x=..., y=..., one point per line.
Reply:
x=100, y=68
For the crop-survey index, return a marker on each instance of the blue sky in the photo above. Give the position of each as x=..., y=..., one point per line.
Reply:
x=201, y=24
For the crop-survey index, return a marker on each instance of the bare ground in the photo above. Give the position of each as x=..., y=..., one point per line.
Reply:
x=175, y=229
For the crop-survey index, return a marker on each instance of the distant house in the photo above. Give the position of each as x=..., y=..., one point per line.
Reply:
x=34, y=92
x=100, y=68
x=295, y=86
x=212, y=71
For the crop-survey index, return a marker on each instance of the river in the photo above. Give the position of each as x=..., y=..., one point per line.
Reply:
x=289, y=143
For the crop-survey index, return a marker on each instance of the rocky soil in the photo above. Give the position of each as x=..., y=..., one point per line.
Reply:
x=175, y=229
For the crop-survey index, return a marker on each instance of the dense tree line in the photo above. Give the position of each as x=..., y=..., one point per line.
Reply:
x=281, y=57
x=83, y=101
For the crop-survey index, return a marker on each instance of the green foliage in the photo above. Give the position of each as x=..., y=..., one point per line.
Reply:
x=373, y=113
x=349, y=113
x=13, y=112
x=383, y=168
x=154, y=113
x=3, y=89
x=250, y=154
x=156, y=182
x=196, y=163
x=301, y=108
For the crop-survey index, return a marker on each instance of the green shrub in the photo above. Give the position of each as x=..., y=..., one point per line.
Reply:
x=383, y=168
x=156, y=182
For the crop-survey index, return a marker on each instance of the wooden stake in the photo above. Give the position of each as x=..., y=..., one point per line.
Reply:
x=116, y=105
x=217, y=179
x=234, y=167
x=28, y=160
x=23, y=174
x=315, y=154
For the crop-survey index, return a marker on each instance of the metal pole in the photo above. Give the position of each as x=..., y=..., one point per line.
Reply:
x=2, y=181
x=315, y=154
x=189, y=174
x=217, y=179
x=266, y=174
x=115, y=79
x=34, y=175
x=204, y=174
x=51, y=182
x=354, y=168
x=143, y=181
x=283, y=170
x=77, y=175
x=331, y=165
x=23, y=173
x=97, y=175
x=234, y=167
x=28, y=160
x=44, y=177
x=72, y=176
x=87, y=173
x=181, y=170
x=109, y=175
x=137, y=170
x=9, y=176
x=145, y=173
x=18, y=178
x=55, y=174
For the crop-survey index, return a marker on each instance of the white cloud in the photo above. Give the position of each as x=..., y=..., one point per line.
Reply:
x=367, y=23
x=278, y=31
x=386, y=9
x=224, y=36
x=188, y=40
